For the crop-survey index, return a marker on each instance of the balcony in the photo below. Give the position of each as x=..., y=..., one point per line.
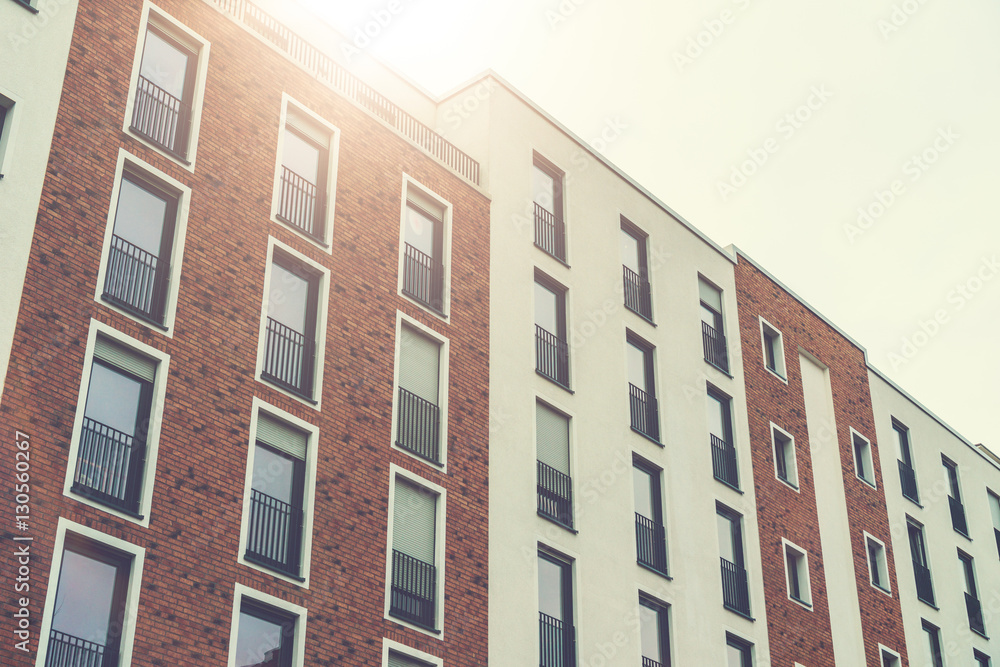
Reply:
x=550, y=233
x=638, y=297
x=288, y=359
x=714, y=343
x=556, y=642
x=299, y=204
x=958, y=516
x=724, y=462
x=161, y=118
x=643, y=412
x=414, y=585
x=908, y=481
x=649, y=662
x=650, y=544
x=109, y=466
x=555, y=495
x=275, y=535
x=419, y=426
x=551, y=356
x=423, y=278
x=133, y=281
x=975, y=611
x=735, y=590
x=69, y=651
x=922, y=576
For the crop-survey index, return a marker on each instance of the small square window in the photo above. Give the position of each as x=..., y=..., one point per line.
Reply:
x=878, y=569
x=774, y=349
x=863, y=466
x=797, y=574
x=785, y=464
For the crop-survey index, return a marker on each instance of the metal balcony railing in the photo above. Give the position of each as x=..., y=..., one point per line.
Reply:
x=724, y=461
x=735, y=590
x=299, y=204
x=643, y=412
x=68, y=651
x=161, y=118
x=414, y=585
x=555, y=495
x=649, y=662
x=133, y=280
x=714, y=343
x=908, y=481
x=638, y=297
x=328, y=72
x=109, y=466
x=958, y=515
x=922, y=576
x=275, y=535
x=423, y=278
x=650, y=543
x=288, y=359
x=556, y=642
x=975, y=611
x=419, y=426
x=550, y=233
x=551, y=356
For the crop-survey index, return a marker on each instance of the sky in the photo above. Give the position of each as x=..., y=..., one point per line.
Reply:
x=849, y=148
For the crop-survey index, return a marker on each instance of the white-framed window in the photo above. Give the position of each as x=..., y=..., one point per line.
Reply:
x=878, y=565
x=143, y=246
x=773, y=348
x=420, y=427
x=277, y=524
x=395, y=654
x=116, y=431
x=786, y=466
x=9, y=114
x=167, y=86
x=92, y=598
x=293, y=324
x=797, y=573
x=888, y=657
x=425, y=248
x=864, y=467
x=414, y=595
x=266, y=630
x=305, y=177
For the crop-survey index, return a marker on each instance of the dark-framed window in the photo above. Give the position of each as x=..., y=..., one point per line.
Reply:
x=556, y=632
x=932, y=646
x=644, y=412
x=774, y=349
x=6, y=116
x=797, y=574
x=138, y=270
x=111, y=456
x=904, y=456
x=994, y=501
x=423, y=250
x=305, y=159
x=397, y=659
x=547, y=194
x=982, y=660
x=713, y=335
x=878, y=568
x=555, y=486
x=785, y=462
x=265, y=636
x=88, y=616
x=290, y=329
x=720, y=433
x=418, y=409
x=739, y=652
x=864, y=467
x=889, y=659
x=650, y=533
x=921, y=566
x=414, y=579
x=551, y=344
x=958, y=521
x=973, y=606
x=635, y=270
x=735, y=585
x=654, y=630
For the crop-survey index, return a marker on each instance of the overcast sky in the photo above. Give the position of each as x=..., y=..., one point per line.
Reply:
x=769, y=124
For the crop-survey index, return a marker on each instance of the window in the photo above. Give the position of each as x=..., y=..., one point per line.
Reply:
x=932, y=645
x=555, y=486
x=973, y=607
x=738, y=652
x=6, y=128
x=643, y=410
x=735, y=586
x=415, y=582
x=423, y=268
x=774, y=349
x=958, y=521
x=785, y=467
x=907, y=476
x=982, y=660
x=635, y=270
x=265, y=636
x=397, y=659
x=418, y=409
x=720, y=433
x=712, y=334
x=650, y=535
x=878, y=568
x=994, y=501
x=797, y=573
x=551, y=346
x=888, y=658
x=654, y=629
x=921, y=566
x=557, y=640
x=863, y=466
x=547, y=191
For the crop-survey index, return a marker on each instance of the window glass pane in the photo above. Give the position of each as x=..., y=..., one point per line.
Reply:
x=902, y=448
x=995, y=510
x=725, y=527
x=289, y=295
x=643, y=485
x=544, y=188
x=630, y=251
x=716, y=417
x=301, y=156
x=258, y=642
x=164, y=64
x=420, y=231
x=139, y=217
x=636, y=359
x=734, y=655
x=650, y=620
x=546, y=309
x=550, y=593
x=83, y=599
x=273, y=473
x=113, y=399
x=708, y=316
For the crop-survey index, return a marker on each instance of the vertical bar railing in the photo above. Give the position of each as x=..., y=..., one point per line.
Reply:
x=298, y=203
x=908, y=481
x=413, y=588
x=275, y=533
x=975, y=611
x=132, y=280
x=644, y=412
x=958, y=521
x=108, y=465
x=650, y=662
x=555, y=495
x=724, y=461
x=423, y=278
x=556, y=642
x=650, y=543
x=550, y=232
x=638, y=297
x=65, y=650
x=735, y=590
x=419, y=426
x=161, y=117
x=922, y=576
x=714, y=343
x=288, y=358
x=551, y=356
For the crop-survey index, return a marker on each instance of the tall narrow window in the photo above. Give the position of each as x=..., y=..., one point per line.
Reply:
x=932, y=645
x=89, y=612
x=555, y=487
x=635, y=270
x=863, y=465
x=994, y=501
x=720, y=433
x=413, y=589
x=6, y=118
x=547, y=192
x=650, y=535
x=655, y=633
x=557, y=635
x=973, y=607
x=774, y=349
x=418, y=425
x=712, y=335
x=981, y=659
x=290, y=333
x=921, y=566
x=958, y=521
x=797, y=574
x=265, y=636
x=907, y=476
x=735, y=586
x=551, y=345
x=785, y=465
x=305, y=159
x=738, y=652
x=643, y=409
x=423, y=250
x=878, y=569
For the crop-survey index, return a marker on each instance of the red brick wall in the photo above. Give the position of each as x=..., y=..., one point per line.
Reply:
x=192, y=539
x=794, y=632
